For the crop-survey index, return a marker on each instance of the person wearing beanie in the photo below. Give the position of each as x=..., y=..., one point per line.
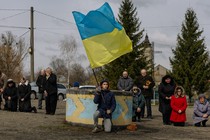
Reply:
x=138, y=103
x=10, y=96
x=106, y=106
x=76, y=85
x=201, y=111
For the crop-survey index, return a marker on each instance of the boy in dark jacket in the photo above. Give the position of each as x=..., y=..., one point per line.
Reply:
x=106, y=106
x=138, y=103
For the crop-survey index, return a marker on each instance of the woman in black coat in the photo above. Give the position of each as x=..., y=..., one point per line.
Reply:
x=166, y=90
x=10, y=96
x=24, y=97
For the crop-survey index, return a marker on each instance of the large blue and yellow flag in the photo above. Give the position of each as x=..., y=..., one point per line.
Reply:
x=103, y=37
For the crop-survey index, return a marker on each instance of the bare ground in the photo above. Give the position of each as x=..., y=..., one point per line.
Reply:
x=31, y=126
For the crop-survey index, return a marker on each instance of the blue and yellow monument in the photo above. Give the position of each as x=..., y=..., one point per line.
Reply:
x=80, y=108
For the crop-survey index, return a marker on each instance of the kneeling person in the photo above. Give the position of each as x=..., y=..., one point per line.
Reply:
x=201, y=111
x=106, y=105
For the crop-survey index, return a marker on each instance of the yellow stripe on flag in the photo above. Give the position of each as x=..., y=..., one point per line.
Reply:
x=104, y=48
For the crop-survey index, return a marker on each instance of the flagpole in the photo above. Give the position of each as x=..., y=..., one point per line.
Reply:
x=95, y=77
x=98, y=84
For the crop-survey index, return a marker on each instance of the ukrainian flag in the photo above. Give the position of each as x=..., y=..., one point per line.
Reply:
x=103, y=37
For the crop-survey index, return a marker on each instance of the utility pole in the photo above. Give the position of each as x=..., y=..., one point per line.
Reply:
x=153, y=59
x=31, y=49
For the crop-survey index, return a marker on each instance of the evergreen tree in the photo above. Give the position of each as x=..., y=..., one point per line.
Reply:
x=190, y=64
x=135, y=60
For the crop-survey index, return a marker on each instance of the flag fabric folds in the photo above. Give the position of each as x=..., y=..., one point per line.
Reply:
x=103, y=37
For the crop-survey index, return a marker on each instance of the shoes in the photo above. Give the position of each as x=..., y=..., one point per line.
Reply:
x=52, y=113
x=95, y=130
x=204, y=123
x=47, y=113
x=149, y=117
x=34, y=109
x=197, y=124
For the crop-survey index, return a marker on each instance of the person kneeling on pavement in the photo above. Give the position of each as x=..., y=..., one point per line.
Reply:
x=24, y=97
x=138, y=103
x=201, y=111
x=106, y=106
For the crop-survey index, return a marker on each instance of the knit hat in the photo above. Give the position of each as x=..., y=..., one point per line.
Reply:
x=76, y=84
x=201, y=95
x=104, y=81
x=9, y=81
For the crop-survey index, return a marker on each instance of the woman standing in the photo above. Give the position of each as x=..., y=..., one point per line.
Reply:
x=166, y=90
x=10, y=96
x=24, y=97
x=178, y=105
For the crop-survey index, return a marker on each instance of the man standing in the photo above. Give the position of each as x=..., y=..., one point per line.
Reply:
x=146, y=84
x=3, y=84
x=50, y=92
x=125, y=83
x=40, y=82
x=106, y=106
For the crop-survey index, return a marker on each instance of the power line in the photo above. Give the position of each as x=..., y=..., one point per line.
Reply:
x=14, y=9
x=23, y=34
x=5, y=26
x=50, y=32
x=54, y=17
x=13, y=15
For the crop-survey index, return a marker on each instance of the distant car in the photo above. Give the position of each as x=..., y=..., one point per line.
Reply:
x=62, y=90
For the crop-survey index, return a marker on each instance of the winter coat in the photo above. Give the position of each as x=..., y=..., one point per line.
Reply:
x=165, y=90
x=51, y=85
x=10, y=92
x=40, y=82
x=178, y=103
x=138, y=101
x=24, y=91
x=146, y=81
x=199, y=110
x=125, y=83
x=106, y=101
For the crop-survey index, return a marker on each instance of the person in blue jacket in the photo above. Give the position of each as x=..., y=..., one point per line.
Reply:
x=106, y=106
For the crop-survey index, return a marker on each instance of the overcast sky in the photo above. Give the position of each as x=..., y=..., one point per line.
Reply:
x=161, y=20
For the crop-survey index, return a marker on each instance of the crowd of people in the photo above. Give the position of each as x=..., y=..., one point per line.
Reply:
x=172, y=101
x=17, y=96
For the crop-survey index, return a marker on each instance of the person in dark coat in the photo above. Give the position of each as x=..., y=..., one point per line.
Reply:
x=201, y=111
x=166, y=90
x=40, y=82
x=138, y=103
x=51, y=92
x=106, y=106
x=125, y=83
x=179, y=106
x=146, y=84
x=10, y=96
x=24, y=96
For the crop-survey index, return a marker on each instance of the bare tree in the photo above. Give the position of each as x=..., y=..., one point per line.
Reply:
x=59, y=68
x=77, y=74
x=12, y=53
x=68, y=49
